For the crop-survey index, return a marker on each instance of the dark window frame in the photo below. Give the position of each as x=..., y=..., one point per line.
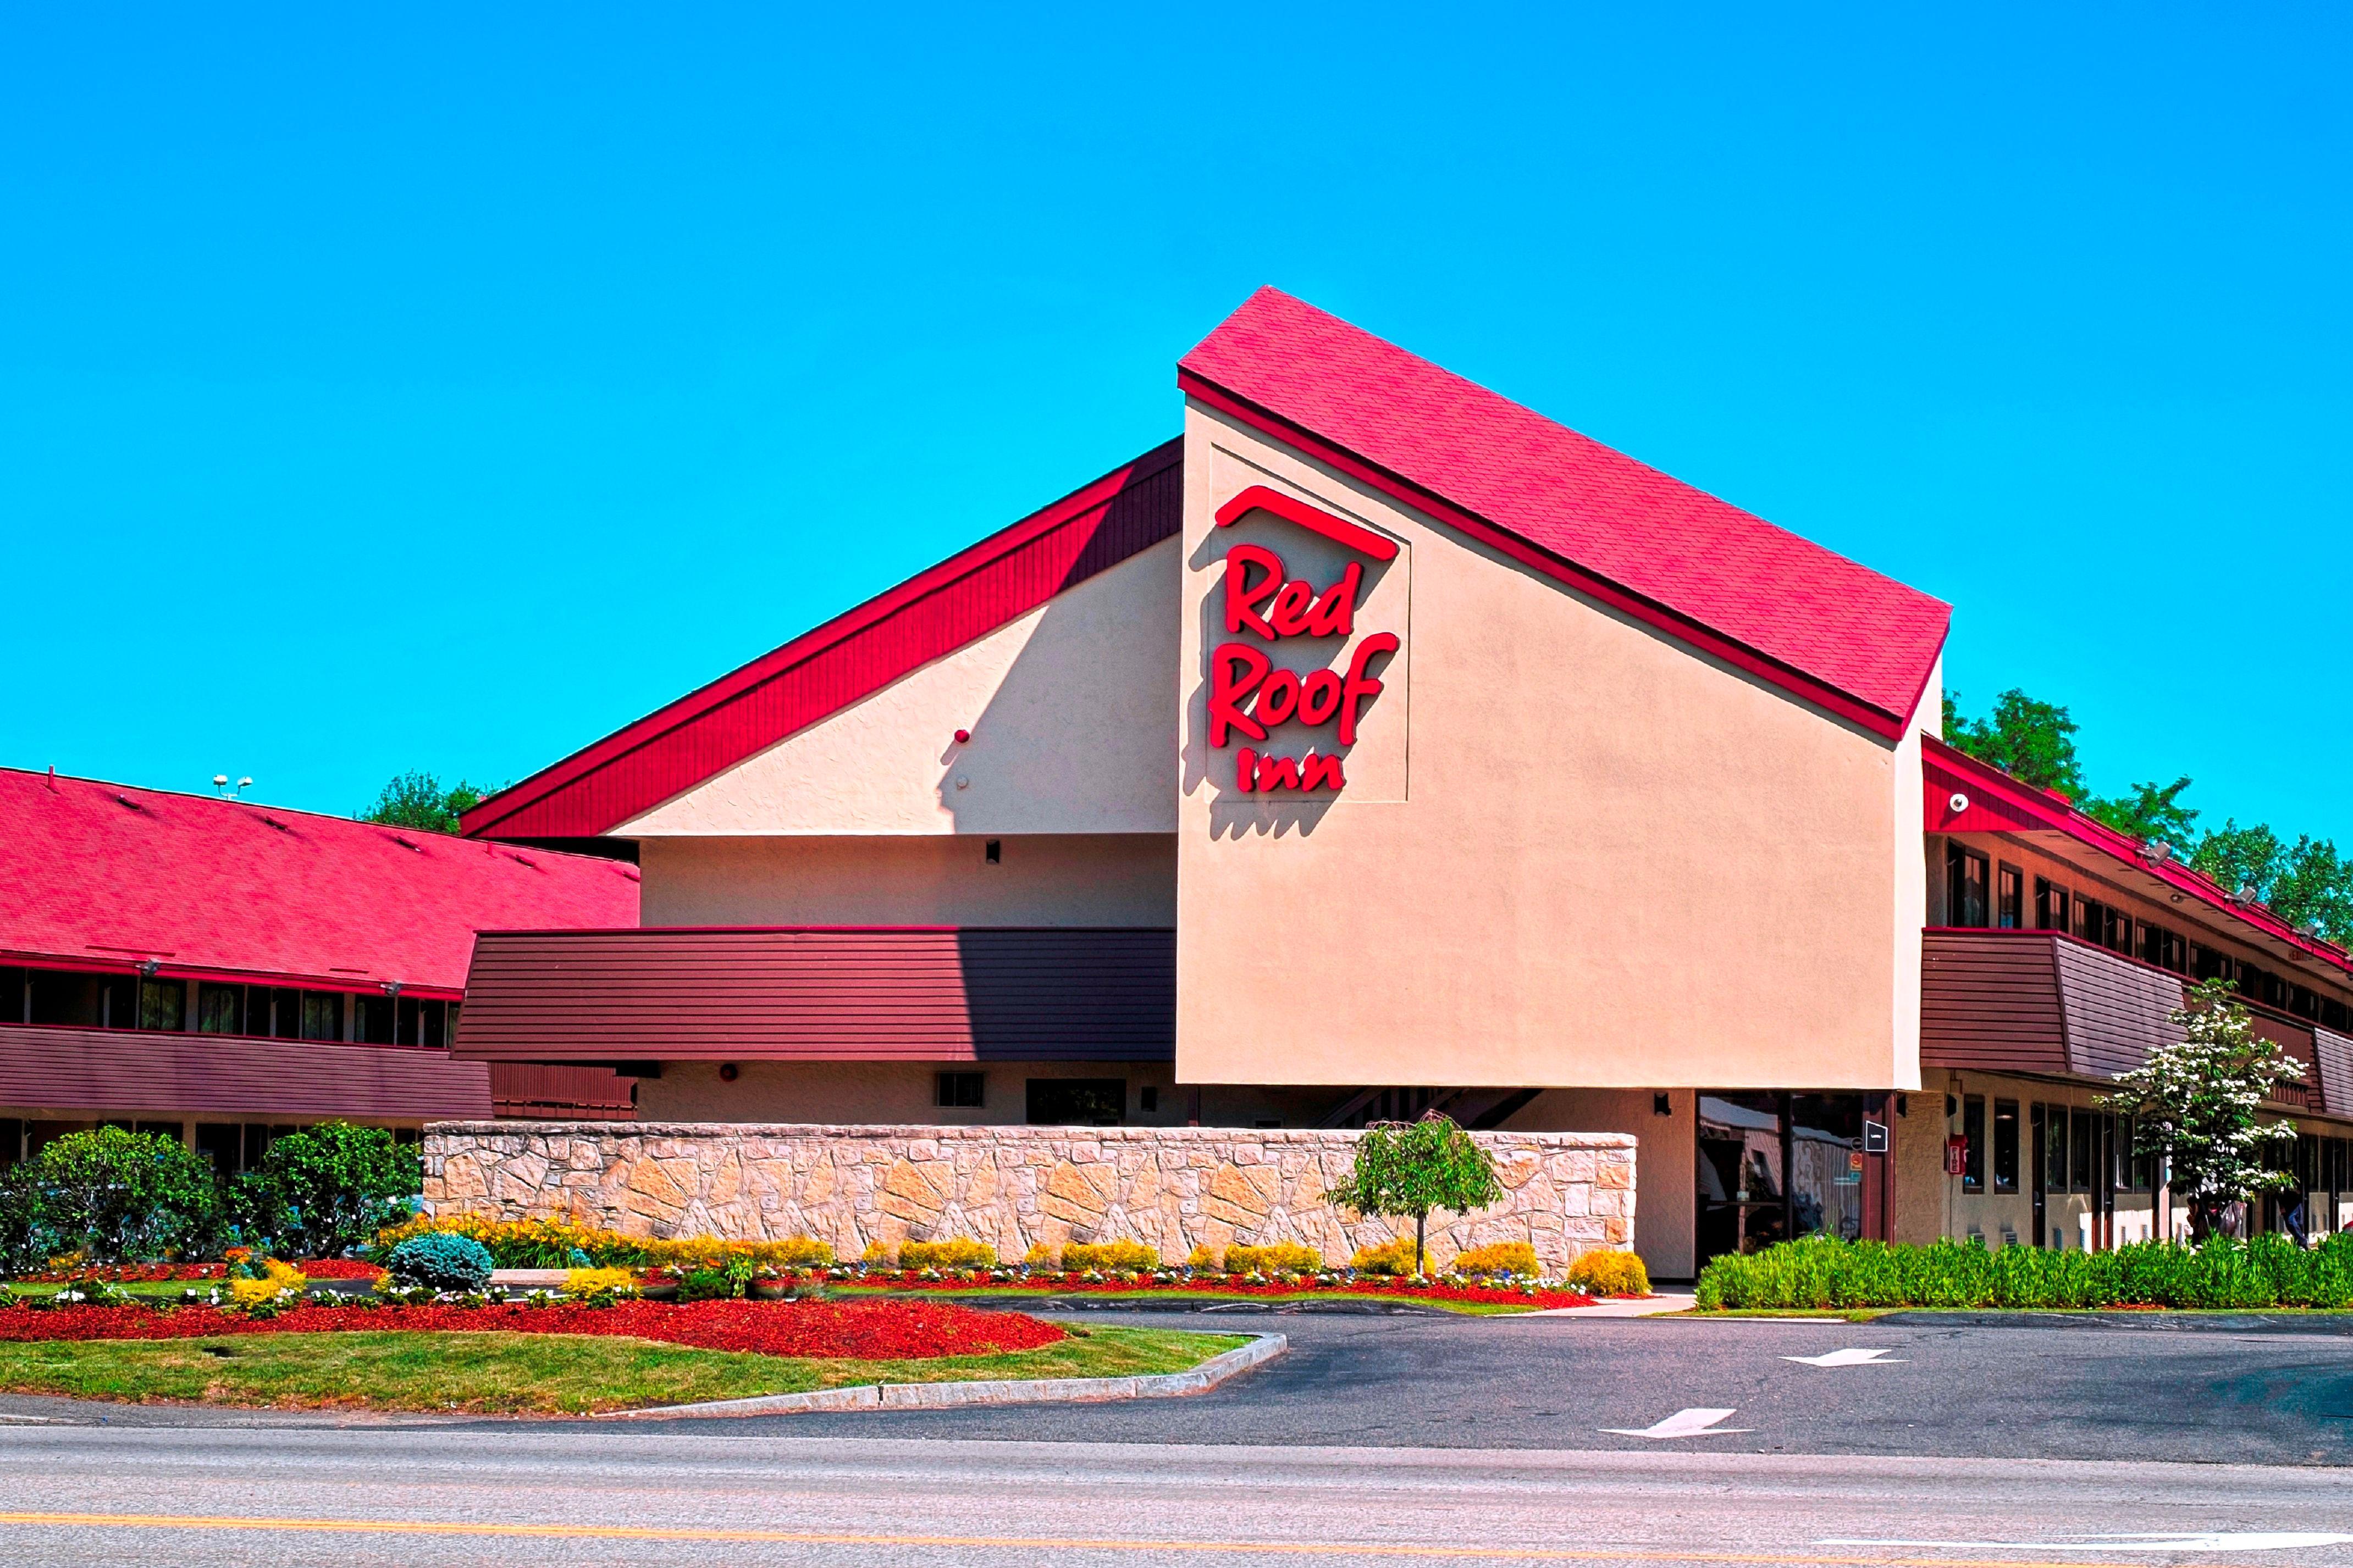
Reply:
x=1973, y=1140
x=2009, y=896
x=2005, y=1145
x=960, y=1090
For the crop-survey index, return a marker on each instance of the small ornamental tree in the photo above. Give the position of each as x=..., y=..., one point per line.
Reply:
x=1410, y=1168
x=2196, y=1105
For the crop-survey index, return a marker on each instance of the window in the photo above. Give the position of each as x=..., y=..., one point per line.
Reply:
x=220, y=1009
x=1077, y=1101
x=1973, y=1129
x=373, y=1019
x=322, y=1014
x=2308, y=1161
x=163, y=1005
x=2081, y=1153
x=286, y=1016
x=961, y=1091
x=2304, y=1001
x=219, y=1141
x=1147, y=1099
x=2009, y=898
x=2332, y=1014
x=2005, y=1145
x=2050, y=905
x=2054, y=1148
x=1964, y=886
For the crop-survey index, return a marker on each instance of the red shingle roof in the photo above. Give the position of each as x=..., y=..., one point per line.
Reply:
x=1703, y=561
x=101, y=875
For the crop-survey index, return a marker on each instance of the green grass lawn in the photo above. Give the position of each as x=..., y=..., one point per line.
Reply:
x=527, y=1373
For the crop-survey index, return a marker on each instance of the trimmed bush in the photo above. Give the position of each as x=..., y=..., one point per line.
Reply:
x=1207, y=1261
x=111, y=1196
x=1825, y=1273
x=598, y=1281
x=1499, y=1257
x=441, y=1261
x=957, y=1252
x=1109, y=1256
x=1279, y=1257
x=1392, y=1258
x=324, y=1191
x=1609, y=1273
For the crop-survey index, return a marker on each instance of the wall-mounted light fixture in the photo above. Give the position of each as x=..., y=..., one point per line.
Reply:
x=1663, y=1104
x=727, y=1072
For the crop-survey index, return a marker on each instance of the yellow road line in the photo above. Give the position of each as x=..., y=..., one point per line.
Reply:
x=1010, y=1543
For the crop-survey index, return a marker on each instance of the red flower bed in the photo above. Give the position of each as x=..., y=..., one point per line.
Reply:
x=862, y=1330
x=1545, y=1296
x=340, y=1269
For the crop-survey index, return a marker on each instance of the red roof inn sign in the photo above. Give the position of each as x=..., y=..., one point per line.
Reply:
x=1249, y=694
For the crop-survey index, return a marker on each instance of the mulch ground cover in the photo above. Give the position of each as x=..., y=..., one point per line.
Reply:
x=160, y=1273
x=854, y=1331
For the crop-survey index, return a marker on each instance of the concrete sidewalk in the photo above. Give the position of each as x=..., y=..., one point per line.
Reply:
x=1629, y=1307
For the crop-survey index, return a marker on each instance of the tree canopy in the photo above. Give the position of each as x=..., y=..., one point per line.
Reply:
x=417, y=800
x=1408, y=1168
x=2305, y=883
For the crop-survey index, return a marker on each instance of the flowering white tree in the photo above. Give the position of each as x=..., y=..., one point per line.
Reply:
x=2197, y=1105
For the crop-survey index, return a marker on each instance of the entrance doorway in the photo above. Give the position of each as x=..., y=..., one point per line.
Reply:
x=1775, y=1166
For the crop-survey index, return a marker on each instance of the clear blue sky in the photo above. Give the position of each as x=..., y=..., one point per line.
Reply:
x=446, y=391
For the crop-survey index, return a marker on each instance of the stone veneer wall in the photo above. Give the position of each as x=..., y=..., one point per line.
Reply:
x=1174, y=1188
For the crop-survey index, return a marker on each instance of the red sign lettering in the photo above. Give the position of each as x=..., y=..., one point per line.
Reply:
x=1250, y=697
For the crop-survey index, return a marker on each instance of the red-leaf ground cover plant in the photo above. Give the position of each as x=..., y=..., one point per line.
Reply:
x=159, y=1273
x=857, y=1330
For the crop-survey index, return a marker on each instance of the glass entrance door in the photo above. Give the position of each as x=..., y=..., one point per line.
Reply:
x=1774, y=1166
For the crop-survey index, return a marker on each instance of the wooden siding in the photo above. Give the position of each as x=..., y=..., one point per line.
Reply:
x=2334, y=1053
x=132, y=1072
x=2115, y=1008
x=1990, y=1002
x=2297, y=1040
x=561, y=1093
x=823, y=994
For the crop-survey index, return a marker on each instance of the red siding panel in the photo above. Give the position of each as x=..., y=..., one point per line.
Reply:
x=119, y=1071
x=834, y=993
x=848, y=658
x=1990, y=1006
x=534, y=1089
x=2116, y=1009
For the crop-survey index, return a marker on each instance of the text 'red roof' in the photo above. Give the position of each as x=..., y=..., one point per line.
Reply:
x=101, y=875
x=1705, y=563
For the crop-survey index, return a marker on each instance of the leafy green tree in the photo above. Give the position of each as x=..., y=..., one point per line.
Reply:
x=324, y=1191
x=2303, y=883
x=114, y=1196
x=1410, y=1168
x=417, y=800
x=2026, y=738
x=2152, y=813
x=2197, y=1105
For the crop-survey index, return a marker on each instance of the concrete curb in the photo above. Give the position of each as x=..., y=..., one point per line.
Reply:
x=949, y=1396
x=2152, y=1321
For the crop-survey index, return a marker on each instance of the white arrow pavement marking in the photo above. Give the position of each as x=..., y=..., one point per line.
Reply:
x=1846, y=1358
x=2207, y=1541
x=1682, y=1423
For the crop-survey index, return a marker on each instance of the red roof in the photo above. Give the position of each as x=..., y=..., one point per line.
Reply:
x=103, y=875
x=848, y=658
x=1818, y=622
x=836, y=994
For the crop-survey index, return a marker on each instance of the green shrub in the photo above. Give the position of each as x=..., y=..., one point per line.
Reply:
x=1822, y=1272
x=957, y=1252
x=1206, y=1259
x=1277, y=1257
x=113, y=1195
x=440, y=1260
x=1109, y=1256
x=324, y=1191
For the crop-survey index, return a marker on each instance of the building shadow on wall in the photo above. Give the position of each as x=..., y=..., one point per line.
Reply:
x=1070, y=992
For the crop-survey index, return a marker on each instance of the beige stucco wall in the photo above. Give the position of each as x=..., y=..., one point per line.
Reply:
x=1047, y=879
x=1590, y=857
x=1172, y=1188
x=1666, y=1229
x=1069, y=713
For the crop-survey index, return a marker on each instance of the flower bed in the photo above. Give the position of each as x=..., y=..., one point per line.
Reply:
x=981, y=1280
x=862, y=1330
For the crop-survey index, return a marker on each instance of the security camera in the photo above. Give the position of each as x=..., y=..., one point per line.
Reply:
x=1959, y=803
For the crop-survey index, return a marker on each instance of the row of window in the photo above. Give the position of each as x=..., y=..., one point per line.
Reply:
x=74, y=999
x=1980, y=892
x=2071, y=1137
